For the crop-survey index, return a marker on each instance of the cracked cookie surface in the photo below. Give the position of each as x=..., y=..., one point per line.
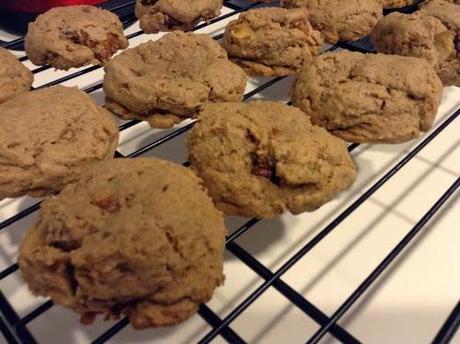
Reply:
x=74, y=36
x=271, y=41
x=15, y=78
x=387, y=4
x=48, y=137
x=421, y=35
x=263, y=158
x=134, y=236
x=339, y=20
x=168, y=15
x=168, y=80
x=369, y=97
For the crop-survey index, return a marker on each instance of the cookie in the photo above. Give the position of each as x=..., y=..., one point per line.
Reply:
x=74, y=36
x=423, y=36
x=168, y=80
x=271, y=41
x=262, y=158
x=48, y=137
x=388, y=4
x=168, y=15
x=446, y=11
x=369, y=97
x=15, y=78
x=138, y=237
x=340, y=20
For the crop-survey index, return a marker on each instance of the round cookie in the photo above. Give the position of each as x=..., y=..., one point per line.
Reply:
x=168, y=80
x=271, y=41
x=423, y=36
x=139, y=237
x=263, y=158
x=74, y=36
x=340, y=20
x=168, y=15
x=369, y=97
x=15, y=78
x=388, y=4
x=48, y=137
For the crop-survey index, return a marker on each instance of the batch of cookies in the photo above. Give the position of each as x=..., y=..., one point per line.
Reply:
x=145, y=237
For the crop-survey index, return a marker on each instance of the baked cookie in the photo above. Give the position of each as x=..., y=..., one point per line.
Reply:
x=48, y=137
x=271, y=41
x=424, y=36
x=74, y=36
x=369, y=97
x=446, y=11
x=340, y=20
x=168, y=15
x=134, y=236
x=263, y=158
x=168, y=80
x=387, y=4
x=15, y=78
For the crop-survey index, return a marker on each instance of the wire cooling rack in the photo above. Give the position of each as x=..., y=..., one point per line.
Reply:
x=284, y=258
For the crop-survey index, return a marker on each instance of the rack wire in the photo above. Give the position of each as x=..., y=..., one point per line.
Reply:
x=15, y=328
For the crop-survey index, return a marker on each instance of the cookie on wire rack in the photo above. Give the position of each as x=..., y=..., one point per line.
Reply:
x=48, y=137
x=170, y=15
x=169, y=80
x=138, y=237
x=74, y=36
x=271, y=41
x=369, y=97
x=263, y=158
x=340, y=20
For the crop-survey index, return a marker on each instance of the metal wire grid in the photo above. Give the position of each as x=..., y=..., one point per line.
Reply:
x=15, y=329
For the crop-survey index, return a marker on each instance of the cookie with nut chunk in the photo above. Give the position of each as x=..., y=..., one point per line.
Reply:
x=263, y=158
x=74, y=36
x=271, y=41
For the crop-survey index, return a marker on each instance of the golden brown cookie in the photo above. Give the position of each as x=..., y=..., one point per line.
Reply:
x=263, y=158
x=49, y=137
x=15, y=78
x=169, y=15
x=448, y=12
x=271, y=41
x=74, y=36
x=369, y=97
x=166, y=81
x=420, y=35
x=139, y=237
x=340, y=20
x=387, y=4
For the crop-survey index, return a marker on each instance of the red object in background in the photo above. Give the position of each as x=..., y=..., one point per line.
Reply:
x=40, y=6
x=16, y=14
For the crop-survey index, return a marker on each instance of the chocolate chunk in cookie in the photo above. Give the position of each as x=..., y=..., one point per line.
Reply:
x=340, y=20
x=74, y=36
x=15, y=78
x=369, y=97
x=168, y=15
x=138, y=237
x=49, y=137
x=271, y=41
x=263, y=158
x=166, y=81
x=420, y=35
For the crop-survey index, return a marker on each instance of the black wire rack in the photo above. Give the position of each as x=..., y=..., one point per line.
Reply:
x=15, y=328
